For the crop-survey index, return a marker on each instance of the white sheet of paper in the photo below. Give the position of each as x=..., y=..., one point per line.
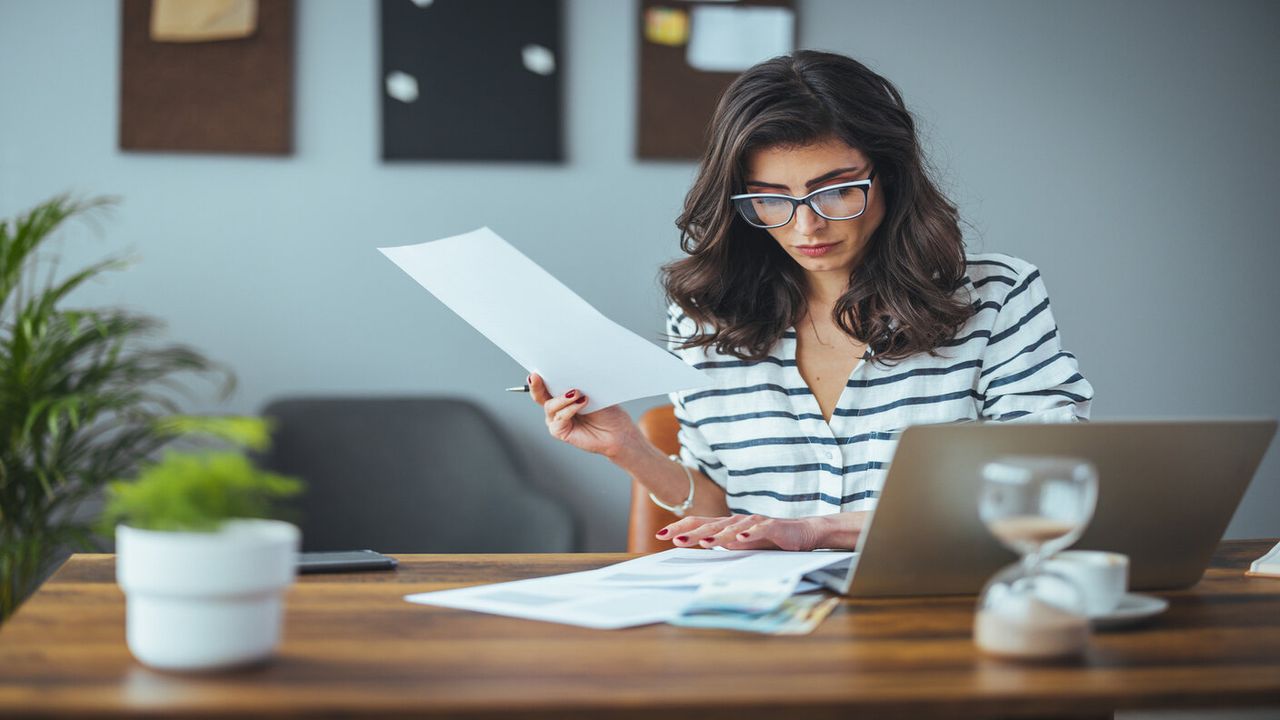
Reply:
x=690, y=567
x=732, y=39
x=646, y=590
x=528, y=313
x=567, y=599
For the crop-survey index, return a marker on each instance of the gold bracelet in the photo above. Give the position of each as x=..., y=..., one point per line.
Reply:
x=682, y=508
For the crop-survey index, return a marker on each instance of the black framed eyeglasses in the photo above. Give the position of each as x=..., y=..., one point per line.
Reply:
x=842, y=201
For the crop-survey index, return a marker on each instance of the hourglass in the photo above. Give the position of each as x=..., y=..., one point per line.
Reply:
x=1036, y=506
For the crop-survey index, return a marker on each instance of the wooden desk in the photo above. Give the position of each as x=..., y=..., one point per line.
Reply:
x=353, y=647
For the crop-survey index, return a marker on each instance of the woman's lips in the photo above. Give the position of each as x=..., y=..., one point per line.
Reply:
x=815, y=250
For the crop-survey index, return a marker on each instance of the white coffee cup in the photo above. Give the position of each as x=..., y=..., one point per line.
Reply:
x=1103, y=577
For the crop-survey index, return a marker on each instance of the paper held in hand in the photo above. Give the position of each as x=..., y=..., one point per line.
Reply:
x=524, y=310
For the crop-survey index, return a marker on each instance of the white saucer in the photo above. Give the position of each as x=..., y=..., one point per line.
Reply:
x=1132, y=608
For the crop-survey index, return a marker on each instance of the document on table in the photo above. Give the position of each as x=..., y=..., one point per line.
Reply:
x=691, y=567
x=649, y=589
x=568, y=599
x=528, y=313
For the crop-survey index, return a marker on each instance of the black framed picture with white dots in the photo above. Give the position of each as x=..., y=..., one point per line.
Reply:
x=471, y=80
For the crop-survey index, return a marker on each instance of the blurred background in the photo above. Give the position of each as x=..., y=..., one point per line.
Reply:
x=1127, y=149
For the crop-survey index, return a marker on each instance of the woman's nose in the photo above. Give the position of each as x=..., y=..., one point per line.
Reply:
x=808, y=221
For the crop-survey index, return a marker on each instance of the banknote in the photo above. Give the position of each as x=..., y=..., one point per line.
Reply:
x=795, y=615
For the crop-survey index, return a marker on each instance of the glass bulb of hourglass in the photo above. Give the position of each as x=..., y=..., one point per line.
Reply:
x=1035, y=506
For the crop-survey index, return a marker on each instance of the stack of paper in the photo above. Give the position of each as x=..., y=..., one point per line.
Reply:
x=658, y=588
x=1268, y=565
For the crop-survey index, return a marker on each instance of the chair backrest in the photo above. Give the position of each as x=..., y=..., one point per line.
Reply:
x=659, y=426
x=410, y=475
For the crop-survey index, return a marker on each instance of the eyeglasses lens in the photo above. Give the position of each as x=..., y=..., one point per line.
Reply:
x=840, y=202
x=765, y=211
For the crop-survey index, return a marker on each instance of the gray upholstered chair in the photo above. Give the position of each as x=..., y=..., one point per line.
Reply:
x=410, y=475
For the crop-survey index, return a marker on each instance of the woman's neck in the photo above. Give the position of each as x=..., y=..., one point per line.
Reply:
x=824, y=289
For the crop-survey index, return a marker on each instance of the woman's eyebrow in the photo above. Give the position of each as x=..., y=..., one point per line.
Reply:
x=818, y=180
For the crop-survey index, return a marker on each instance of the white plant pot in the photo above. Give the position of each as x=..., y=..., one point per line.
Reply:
x=205, y=600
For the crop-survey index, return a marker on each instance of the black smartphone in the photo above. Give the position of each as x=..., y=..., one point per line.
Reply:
x=344, y=561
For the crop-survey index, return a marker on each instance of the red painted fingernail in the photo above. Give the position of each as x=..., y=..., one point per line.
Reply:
x=571, y=393
x=529, y=380
x=581, y=399
x=707, y=539
x=682, y=538
x=663, y=532
x=744, y=535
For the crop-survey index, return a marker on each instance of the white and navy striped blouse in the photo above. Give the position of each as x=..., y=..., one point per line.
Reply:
x=758, y=432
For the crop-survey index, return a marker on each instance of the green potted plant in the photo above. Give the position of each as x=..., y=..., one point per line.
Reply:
x=81, y=391
x=203, y=571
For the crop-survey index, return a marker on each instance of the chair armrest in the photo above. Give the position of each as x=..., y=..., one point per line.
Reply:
x=660, y=428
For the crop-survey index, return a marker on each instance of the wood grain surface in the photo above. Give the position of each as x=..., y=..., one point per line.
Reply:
x=354, y=648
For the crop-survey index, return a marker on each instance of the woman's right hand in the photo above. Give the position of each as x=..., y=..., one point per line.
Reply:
x=606, y=431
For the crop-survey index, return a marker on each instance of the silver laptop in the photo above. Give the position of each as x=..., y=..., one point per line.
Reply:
x=1166, y=492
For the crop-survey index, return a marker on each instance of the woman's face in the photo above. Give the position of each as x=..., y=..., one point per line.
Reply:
x=818, y=245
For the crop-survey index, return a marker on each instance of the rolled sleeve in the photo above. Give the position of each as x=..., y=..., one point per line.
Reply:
x=695, y=451
x=1026, y=374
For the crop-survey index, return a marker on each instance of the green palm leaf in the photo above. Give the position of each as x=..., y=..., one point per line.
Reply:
x=83, y=392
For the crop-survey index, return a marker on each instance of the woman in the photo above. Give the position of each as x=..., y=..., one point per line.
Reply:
x=827, y=293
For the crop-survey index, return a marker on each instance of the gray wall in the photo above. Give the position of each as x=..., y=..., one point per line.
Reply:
x=1128, y=149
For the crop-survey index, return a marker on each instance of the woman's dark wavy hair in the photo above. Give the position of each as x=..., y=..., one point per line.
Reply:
x=740, y=283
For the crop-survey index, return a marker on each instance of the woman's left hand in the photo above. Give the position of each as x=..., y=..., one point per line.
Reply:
x=757, y=532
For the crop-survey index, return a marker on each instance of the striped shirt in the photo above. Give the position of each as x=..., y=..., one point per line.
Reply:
x=757, y=431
